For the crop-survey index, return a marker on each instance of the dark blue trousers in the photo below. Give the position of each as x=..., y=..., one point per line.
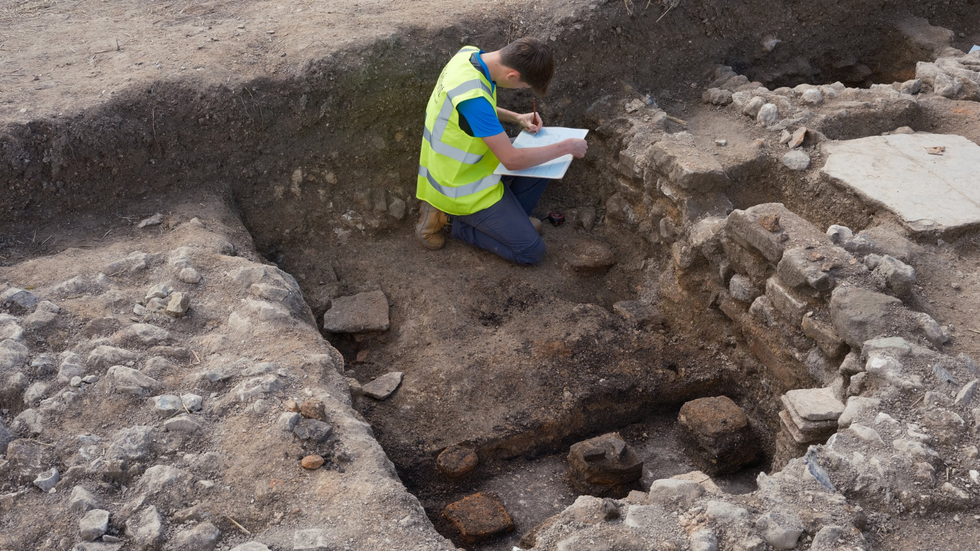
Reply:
x=504, y=228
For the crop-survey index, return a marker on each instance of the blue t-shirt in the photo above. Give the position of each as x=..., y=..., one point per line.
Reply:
x=476, y=116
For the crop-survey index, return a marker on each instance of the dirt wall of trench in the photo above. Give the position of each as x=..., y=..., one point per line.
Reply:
x=296, y=152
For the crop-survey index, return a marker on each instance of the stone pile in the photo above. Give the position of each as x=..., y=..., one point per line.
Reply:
x=181, y=397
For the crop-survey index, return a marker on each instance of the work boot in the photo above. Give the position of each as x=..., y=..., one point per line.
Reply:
x=536, y=223
x=429, y=228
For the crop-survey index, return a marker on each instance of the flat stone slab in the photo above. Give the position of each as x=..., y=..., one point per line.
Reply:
x=928, y=192
x=814, y=404
x=357, y=314
x=382, y=387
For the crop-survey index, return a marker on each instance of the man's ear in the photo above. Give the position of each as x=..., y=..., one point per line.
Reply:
x=512, y=77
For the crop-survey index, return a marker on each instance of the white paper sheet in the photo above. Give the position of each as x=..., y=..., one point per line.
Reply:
x=548, y=135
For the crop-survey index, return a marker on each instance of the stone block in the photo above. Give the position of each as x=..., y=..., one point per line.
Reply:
x=885, y=241
x=814, y=404
x=478, y=517
x=677, y=157
x=899, y=277
x=358, y=313
x=384, y=386
x=771, y=349
x=859, y=315
x=803, y=268
x=749, y=233
x=639, y=313
x=719, y=433
x=672, y=493
x=926, y=192
x=603, y=464
x=742, y=289
x=457, y=461
x=771, y=228
x=747, y=261
x=825, y=336
x=590, y=258
x=791, y=304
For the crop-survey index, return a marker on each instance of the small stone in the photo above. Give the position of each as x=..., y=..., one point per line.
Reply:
x=796, y=160
x=166, y=405
x=457, y=461
x=675, y=494
x=397, y=209
x=178, y=305
x=94, y=524
x=704, y=540
x=312, y=462
x=591, y=258
x=19, y=301
x=82, y=500
x=287, y=420
x=753, y=106
x=192, y=402
x=721, y=142
x=965, y=395
x=314, y=409
x=768, y=114
x=47, y=480
x=609, y=509
x=839, y=234
x=203, y=537
x=478, y=517
x=182, y=423
x=639, y=313
x=780, y=530
x=154, y=220
x=796, y=140
x=716, y=96
x=313, y=430
x=742, y=289
x=145, y=528
x=189, y=275
x=770, y=222
x=383, y=387
x=812, y=96
x=291, y=405
x=250, y=546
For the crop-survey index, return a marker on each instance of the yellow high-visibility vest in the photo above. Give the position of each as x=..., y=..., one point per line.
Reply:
x=456, y=169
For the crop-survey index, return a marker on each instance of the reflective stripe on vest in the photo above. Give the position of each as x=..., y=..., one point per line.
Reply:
x=442, y=121
x=459, y=191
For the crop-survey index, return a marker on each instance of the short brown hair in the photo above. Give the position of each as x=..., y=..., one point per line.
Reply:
x=532, y=59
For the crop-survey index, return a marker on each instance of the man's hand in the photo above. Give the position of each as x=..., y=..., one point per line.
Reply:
x=530, y=122
x=576, y=147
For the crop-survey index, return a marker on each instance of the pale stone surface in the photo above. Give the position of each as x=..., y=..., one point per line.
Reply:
x=929, y=192
x=358, y=313
x=815, y=404
x=383, y=386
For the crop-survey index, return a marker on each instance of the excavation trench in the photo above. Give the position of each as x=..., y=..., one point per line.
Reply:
x=516, y=363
